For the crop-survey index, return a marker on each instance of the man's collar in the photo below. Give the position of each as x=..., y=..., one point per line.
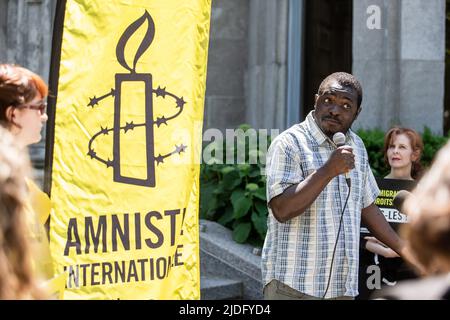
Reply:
x=316, y=132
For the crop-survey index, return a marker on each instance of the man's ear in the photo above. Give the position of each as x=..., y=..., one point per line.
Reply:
x=10, y=114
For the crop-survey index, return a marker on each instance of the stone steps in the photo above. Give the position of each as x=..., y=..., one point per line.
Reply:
x=217, y=288
x=221, y=257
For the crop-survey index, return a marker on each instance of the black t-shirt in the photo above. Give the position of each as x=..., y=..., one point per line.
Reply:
x=375, y=271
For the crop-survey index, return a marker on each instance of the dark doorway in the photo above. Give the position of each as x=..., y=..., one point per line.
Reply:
x=328, y=44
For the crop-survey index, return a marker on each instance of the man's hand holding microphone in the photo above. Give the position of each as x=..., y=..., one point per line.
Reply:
x=342, y=160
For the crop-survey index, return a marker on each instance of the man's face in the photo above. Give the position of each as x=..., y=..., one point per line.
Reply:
x=336, y=108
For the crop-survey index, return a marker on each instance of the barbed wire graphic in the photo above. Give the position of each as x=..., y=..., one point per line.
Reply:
x=159, y=92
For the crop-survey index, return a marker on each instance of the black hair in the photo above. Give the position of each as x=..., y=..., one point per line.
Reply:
x=346, y=80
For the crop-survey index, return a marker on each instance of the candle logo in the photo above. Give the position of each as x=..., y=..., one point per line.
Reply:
x=122, y=81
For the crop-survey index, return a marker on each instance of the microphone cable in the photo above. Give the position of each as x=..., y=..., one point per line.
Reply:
x=337, y=237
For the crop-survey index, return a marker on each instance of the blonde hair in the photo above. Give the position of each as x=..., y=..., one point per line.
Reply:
x=428, y=209
x=16, y=269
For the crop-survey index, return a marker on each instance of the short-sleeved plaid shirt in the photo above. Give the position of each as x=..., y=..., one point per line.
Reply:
x=299, y=252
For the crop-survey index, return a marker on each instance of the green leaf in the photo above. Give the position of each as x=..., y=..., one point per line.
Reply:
x=220, y=189
x=236, y=195
x=208, y=201
x=244, y=169
x=260, y=224
x=227, y=169
x=241, y=232
x=261, y=208
x=260, y=194
x=226, y=217
x=255, y=171
x=241, y=206
x=252, y=187
x=231, y=180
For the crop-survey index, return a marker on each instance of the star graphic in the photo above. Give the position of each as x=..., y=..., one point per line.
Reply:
x=160, y=121
x=129, y=126
x=109, y=163
x=113, y=92
x=161, y=92
x=180, y=149
x=180, y=102
x=92, y=153
x=159, y=159
x=93, y=101
x=104, y=130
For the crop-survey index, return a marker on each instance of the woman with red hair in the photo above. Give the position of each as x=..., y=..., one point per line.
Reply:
x=22, y=103
x=402, y=151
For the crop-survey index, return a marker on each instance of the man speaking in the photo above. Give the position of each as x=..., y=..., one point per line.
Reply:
x=318, y=190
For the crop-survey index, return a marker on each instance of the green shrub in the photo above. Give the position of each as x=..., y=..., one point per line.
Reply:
x=234, y=195
x=432, y=143
x=373, y=140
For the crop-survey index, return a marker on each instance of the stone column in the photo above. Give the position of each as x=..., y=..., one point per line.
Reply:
x=401, y=65
x=266, y=91
x=227, y=64
x=422, y=64
x=27, y=33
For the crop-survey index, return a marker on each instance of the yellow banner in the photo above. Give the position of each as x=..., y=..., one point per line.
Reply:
x=126, y=148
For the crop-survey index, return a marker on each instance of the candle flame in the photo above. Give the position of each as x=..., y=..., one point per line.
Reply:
x=130, y=30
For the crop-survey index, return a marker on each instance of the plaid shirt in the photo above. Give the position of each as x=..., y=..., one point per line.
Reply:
x=299, y=252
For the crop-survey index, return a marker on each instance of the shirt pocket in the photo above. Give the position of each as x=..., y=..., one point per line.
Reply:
x=309, y=163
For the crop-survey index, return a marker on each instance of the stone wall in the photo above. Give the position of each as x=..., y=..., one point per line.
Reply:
x=247, y=64
x=401, y=65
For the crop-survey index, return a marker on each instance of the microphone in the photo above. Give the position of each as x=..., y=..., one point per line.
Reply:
x=339, y=141
x=400, y=198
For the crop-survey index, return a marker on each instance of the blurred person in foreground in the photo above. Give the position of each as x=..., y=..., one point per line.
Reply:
x=17, y=277
x=23, y=104
x=428, y=234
